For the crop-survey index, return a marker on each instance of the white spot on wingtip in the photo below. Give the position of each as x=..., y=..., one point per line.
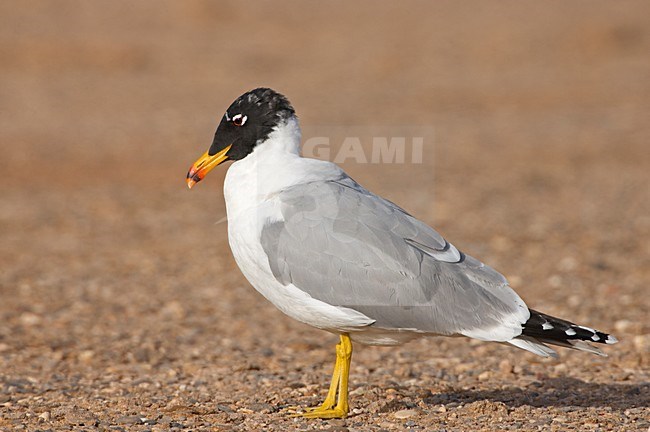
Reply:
x=547, y=326
x=611, y=340
x=570, y=332
x=587, y=328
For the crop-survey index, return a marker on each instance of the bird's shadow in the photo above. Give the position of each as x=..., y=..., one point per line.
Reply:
x=553, y=392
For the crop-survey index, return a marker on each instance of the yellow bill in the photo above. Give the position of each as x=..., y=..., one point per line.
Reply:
x=204, y=165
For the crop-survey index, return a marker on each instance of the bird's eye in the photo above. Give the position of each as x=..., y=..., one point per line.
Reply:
x=239, y=120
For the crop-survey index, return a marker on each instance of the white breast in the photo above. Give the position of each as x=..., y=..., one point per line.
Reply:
x=250, y=190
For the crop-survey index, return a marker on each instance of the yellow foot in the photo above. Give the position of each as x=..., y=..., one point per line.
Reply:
x=333, y=406
x=327, y=405
x=325, y=413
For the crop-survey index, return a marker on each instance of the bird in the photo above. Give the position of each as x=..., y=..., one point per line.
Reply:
x=331, y=254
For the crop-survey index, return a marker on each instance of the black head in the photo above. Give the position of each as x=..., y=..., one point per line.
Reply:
x=249, y=120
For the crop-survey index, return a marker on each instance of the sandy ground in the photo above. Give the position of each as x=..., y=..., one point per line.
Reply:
x=121, y=307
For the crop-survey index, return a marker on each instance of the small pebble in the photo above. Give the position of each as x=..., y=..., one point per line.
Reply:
x=131, y=419
x=642, y=343
x=505, y=366
x=86, y=356
x=30, y=319
x=404, y=414
x=623, y=325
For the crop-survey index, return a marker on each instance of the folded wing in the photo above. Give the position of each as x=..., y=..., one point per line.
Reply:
x=347, y=247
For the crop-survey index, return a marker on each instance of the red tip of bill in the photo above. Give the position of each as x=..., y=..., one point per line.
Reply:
x=193, y=177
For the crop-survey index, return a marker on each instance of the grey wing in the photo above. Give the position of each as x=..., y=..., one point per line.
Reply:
x=347, y=247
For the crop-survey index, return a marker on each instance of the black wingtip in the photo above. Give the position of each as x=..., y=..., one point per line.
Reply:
x=555, y=330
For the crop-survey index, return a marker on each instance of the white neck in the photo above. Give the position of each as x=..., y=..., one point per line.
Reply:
x=272, y=166
x=285, y=137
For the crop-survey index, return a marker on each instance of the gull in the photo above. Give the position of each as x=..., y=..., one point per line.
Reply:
x=331, y=254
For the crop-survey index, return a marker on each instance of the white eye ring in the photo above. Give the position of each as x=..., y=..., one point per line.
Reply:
x=239, y=120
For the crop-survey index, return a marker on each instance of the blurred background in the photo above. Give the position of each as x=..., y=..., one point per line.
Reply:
x=118, y=293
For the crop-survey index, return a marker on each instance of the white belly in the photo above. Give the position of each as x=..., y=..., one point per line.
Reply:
x=244, y=230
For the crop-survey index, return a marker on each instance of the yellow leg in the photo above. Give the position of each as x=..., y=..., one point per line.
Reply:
x=339, y=382
x=330, y=399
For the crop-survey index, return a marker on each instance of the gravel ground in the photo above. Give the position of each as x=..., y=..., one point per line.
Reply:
x=121, y=307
